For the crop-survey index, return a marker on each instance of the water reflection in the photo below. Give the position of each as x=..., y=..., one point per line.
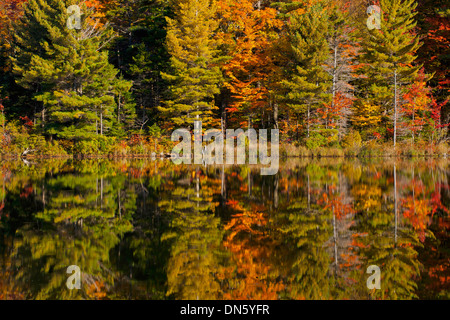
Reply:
x=154, y=230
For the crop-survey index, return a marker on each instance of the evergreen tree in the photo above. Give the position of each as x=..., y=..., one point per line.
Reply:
x=306, y=83
x=67, y=71
x=389, y=54
x=125, y=120
x=195, y=75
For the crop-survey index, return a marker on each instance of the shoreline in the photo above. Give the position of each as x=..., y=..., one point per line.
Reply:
x=368, y=150
x=168, y=156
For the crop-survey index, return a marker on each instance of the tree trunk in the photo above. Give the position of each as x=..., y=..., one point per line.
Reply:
x=413, y=118
x=118, y=110
x=275, y=192
x=395, y=204
x=395, y=106
x=333, y=101
x=223, y=118
x=43, y=117
x=101, y=120
x=309, y=195
x=249, y=182
x=275, y=115
x=307, y=123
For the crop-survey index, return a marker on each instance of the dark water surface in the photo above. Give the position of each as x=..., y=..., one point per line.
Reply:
x=155, y=230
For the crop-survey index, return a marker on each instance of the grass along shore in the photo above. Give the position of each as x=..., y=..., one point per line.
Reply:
x=163, y=148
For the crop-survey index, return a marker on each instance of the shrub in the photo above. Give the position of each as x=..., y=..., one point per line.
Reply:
x=315, y=140
x=86, y=147
x=53, y=148
x=99, y=145
x=370, y=149
x=352, y=140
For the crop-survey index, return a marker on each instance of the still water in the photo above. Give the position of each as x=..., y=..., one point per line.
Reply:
x=142, y=229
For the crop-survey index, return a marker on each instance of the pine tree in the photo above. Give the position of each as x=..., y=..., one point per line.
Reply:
x=67, y=70
x=307, y=82
x=195, y=74
x=390, y=53
x=125, y=118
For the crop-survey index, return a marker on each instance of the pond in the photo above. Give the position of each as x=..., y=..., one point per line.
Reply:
x=143, y=229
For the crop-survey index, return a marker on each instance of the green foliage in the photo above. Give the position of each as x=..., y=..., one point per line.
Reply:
x=194, y=75
x=306, y=82
x=389, y=55
x=96, y=146
x=322, y=138
x=316, y=140
x=73, y=80
x=352, y=140
x=154, y=131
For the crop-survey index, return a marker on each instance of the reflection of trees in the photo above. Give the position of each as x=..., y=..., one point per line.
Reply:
x=419, y=204
x=79, y=225
x=423, y=210
x=385, y=241
x=8, y=288
x=305, y=228
x=141, y=256
x=306, y=232
x=152, y=230
x=435, y=257
x=195, y=235
x=318, y=219
x=42, y=257
x=251, y=274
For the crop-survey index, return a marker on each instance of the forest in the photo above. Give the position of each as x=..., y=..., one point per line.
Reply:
x=336, y=77
x=91, y=92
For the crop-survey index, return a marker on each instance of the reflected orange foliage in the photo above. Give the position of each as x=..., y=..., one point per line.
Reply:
x=251, y=250
x=420, y=206
x=96, y=290
x=335, y=203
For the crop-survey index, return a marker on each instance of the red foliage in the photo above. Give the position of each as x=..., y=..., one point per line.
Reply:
x=335, y=203
x=436, y=111
x=27, y=121
x=26, y=192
